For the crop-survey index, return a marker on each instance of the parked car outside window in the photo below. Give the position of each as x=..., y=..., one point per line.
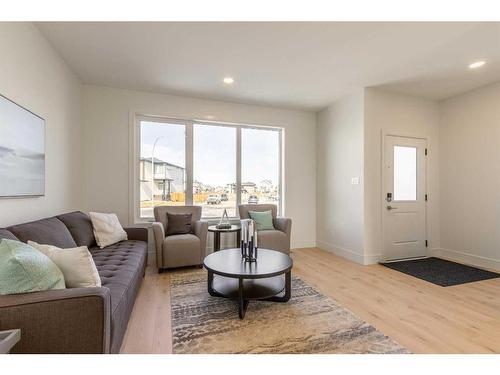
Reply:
x=253, y=199
x=213, y=199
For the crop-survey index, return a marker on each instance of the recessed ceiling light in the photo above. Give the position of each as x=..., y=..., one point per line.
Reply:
x=228, y=80
x=477, y=64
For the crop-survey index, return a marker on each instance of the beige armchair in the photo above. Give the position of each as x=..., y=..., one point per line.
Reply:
x=278, y=239
x=179, y=250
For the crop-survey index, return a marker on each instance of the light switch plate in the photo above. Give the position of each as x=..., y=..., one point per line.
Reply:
x=355, y=181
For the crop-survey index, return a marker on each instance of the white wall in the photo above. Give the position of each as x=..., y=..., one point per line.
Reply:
x=470, y=177
x=339, y=142
x=33, y=75
x=403, y=115
x=105, y=148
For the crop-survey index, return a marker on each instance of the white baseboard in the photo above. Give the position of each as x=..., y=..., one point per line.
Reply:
x=302, y=244
x=342, y=252
x=372, y=259
x=349, y=254
x=467, y=258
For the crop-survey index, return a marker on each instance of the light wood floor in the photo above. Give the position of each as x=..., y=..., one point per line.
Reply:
x=423, y=317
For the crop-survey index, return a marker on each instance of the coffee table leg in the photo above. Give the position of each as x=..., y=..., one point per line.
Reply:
x=242, y=304
x=288, y=286
x=210, y=281
x=288, y=290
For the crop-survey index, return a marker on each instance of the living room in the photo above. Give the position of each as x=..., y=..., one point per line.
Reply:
x=252, y=187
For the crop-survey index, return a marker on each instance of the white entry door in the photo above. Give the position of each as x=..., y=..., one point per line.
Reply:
x=404, y=198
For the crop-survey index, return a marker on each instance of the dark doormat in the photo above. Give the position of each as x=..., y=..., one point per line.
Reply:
x=441, y=272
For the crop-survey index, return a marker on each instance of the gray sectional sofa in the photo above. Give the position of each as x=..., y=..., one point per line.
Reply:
x=78, y=320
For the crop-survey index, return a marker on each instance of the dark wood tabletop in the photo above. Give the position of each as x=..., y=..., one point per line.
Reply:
x=234, y=228
x=229, y=263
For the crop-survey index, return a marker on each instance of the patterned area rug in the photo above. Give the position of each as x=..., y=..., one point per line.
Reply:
x=308, y=323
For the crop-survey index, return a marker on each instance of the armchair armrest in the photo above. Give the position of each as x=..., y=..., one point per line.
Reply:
x=159, y=235
x=137, y=233
x=201, y=231
x=283, y=224
x=59, y=321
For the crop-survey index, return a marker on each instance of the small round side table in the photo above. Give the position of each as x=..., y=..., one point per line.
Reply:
x=217, y=232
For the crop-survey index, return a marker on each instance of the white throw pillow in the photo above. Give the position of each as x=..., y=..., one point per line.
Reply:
x=76, y=265
x=107, y=229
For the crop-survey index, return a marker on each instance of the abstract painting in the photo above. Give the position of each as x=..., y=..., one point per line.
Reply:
x=22, y=151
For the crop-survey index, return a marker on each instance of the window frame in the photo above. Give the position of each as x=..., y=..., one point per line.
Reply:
x=189, y=165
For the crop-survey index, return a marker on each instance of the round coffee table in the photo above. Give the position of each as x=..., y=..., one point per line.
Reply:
x=269, y=278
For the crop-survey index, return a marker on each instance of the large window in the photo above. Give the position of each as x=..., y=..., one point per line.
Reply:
x=162, y=165
x=216, y=166
x=214, y=169
x=260, y=166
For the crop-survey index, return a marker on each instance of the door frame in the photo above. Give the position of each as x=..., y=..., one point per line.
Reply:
x=384, y=134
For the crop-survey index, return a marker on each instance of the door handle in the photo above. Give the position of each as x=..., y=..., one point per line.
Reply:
x=391, y=208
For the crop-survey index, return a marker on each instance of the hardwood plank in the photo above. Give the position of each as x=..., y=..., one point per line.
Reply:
x=423, y=317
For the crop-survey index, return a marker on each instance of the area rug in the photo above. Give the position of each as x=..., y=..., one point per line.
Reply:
x=308, y=323
x=441, y=272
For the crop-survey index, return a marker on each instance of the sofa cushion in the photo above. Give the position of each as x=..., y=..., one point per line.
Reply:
x=121, y=267
x=49, y=231
x=263, y=219
x=24, y=269
x=77, y=265
x=80, y=227
x=107, y=229
x=4, y=233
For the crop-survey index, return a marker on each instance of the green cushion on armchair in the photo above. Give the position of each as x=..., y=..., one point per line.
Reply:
x=24, y=269
x=263, y=219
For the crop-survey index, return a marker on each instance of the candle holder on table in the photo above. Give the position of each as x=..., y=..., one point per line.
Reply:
x=249, y=244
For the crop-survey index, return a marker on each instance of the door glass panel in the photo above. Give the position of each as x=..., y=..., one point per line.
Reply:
x=405, y=173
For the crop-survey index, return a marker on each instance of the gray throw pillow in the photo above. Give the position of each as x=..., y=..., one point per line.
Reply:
x=178, y=223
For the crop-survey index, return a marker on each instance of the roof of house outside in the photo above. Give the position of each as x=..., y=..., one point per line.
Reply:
x=159, y=161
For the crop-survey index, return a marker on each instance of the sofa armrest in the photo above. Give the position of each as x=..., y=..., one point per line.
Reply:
x=201, y=231
x=159, y=235
x=137, y=233
x=74, y=320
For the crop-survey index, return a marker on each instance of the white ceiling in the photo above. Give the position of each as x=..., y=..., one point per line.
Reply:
x=295, y=65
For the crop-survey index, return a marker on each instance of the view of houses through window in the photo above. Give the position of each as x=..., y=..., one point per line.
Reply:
x=172, y=151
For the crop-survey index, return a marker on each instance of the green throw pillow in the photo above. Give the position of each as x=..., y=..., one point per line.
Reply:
x=263, y=219
x=25, y=269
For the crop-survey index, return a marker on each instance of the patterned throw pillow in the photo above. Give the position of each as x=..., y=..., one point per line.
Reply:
x=24, y=269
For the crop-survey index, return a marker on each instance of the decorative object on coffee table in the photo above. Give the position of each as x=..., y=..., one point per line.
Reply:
x=277, y=239
x=224, y=221
x=268, y=279
x=8, y=339
x=249, y=240
x=217, y=232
